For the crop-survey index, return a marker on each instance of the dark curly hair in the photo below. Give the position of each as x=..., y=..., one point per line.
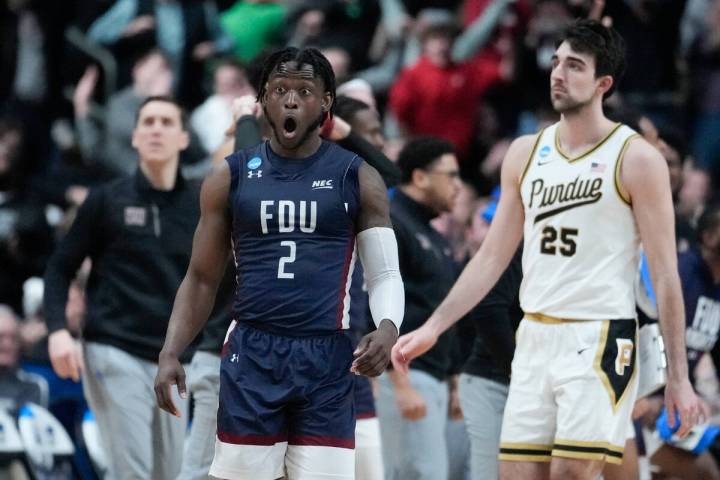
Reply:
x=605, y=45
x=420, y=153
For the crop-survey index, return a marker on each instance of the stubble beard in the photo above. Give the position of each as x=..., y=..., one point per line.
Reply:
x=568, y=105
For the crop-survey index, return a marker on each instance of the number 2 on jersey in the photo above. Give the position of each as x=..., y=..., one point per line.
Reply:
x=567, y=246
x=288, y=259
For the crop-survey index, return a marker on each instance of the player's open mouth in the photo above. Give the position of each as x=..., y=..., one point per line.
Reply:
x=289, y=127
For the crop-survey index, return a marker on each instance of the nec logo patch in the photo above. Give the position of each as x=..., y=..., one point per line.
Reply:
x=135, y=216
x=322, y=184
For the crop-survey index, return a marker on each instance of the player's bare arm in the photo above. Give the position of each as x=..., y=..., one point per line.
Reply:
x=196, y=295
x=486, y=266
x=645, y=178
x=378, y=253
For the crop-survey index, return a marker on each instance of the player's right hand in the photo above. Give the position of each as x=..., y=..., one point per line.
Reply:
x=170, y=372
x=410, y=346
x=681, y=401
x=65, y=355
x=411, y=404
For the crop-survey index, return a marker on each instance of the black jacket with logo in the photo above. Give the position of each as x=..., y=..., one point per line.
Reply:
x=428, y=271
x=139, y=240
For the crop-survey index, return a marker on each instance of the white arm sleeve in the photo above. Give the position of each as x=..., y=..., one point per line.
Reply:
x=379, y=256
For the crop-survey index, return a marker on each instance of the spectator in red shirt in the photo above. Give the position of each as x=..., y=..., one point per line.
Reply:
x=438, y=97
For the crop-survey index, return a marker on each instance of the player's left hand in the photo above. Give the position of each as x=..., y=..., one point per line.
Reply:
x=372, y=354
x=680, y=399
x=170, y=372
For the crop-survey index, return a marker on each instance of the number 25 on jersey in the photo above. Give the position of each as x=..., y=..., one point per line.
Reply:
x=566, y=246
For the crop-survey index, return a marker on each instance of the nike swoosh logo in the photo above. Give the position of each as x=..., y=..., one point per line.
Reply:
x=582, y=350
x=540, y=164
x=565, y=208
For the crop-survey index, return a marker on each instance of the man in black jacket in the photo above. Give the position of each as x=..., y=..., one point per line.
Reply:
x=413, y=409
x=138, y=233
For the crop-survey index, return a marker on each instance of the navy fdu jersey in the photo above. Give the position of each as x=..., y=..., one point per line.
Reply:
x=702, y=306
x=293, y=235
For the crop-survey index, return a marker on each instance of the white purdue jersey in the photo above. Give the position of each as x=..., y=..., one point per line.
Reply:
x=581, y=249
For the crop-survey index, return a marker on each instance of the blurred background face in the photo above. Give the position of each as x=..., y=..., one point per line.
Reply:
x=9, y=339
x=339, y=61
x=441, y=184
x=437, y=48
x=152, y=76
x=366, y=123
x=159, y=135
x=694, y=192
x=231, y=82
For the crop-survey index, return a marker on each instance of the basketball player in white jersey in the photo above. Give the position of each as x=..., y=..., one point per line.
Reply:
x=584, y=192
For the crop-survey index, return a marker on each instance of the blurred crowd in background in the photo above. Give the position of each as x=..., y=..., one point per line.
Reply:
x=473, y=72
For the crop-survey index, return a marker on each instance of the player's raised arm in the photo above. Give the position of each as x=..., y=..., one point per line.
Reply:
x=645, y=177
x=486, y=266
x=379, y=256
x=196, y=295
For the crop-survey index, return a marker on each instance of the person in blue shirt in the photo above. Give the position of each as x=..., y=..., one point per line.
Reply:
x=295, y=212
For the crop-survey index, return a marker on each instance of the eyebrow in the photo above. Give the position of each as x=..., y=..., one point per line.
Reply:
x=571, y=58
x=158, y=117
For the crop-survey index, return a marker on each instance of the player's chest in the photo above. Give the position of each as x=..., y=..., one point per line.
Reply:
x=307, y=205
x=559, y=186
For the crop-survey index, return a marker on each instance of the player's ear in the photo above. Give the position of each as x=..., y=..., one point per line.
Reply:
x=419, y=178
x=606, y=83
x=326, y=102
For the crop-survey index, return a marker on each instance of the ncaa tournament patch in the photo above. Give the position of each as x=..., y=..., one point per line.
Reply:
x=254, y=163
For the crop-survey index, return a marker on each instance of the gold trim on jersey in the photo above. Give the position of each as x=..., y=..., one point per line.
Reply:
x=532, y=155
x=526, y=446
x=583, y=444
x=597, y=365
x=524, y=452
x=542, y=318
x=598, y=145
x=588, y=450
x=622, y=193
x=603, y=457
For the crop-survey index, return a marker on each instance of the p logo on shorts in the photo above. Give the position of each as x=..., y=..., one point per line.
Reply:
x=624, y=356
x=616, y=357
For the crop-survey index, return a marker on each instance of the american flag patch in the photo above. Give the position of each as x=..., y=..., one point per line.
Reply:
x=597, y=167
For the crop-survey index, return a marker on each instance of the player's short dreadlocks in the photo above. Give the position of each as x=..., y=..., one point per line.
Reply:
x=304, y=56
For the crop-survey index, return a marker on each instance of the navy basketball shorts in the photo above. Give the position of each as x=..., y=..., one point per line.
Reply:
x=364, y=400
x=286, y=407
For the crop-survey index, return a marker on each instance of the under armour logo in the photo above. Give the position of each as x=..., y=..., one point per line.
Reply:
x=257, y=174
x=235, y=358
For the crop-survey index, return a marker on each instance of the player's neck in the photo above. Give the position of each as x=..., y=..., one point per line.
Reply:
x=161, y=175
x=582, y=129
x=304, y=150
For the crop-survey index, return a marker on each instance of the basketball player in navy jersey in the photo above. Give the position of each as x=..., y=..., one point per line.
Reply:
x=296, y=211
